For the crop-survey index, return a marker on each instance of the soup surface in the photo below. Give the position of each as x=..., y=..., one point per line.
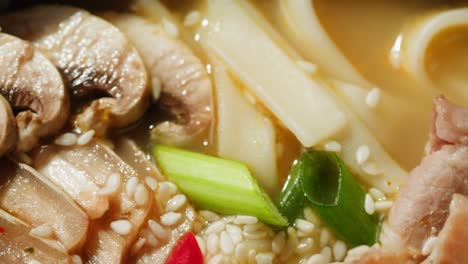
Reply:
x=222, y=131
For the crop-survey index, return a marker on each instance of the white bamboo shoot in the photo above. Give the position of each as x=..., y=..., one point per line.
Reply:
x=243, y=133
x=300, y=103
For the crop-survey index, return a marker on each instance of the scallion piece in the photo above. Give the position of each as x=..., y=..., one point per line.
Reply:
x=220, y=185
x=332, y=191
x=292, y=198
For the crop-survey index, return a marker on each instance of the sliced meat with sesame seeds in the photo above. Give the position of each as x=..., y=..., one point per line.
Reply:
x=422, y=206
x=452, y=242
x=97, y=166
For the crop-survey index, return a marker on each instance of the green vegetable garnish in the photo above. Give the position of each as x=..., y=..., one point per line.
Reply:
x=292, y=198
x=217, y=184
x=323, y=180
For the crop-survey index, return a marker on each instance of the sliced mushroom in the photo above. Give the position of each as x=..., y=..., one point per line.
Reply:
x=17, y=246
x=30, y=196
x=33, y=87
x=186, y=91
x=93, y=56
x=8, y=130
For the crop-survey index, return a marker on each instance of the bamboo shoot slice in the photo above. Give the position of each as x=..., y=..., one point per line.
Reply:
x=301, y=104
x=244, y=134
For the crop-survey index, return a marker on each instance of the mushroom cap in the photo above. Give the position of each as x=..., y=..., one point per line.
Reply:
x=8, y=131
x=186, y=89
x=34, y=88
x=94, y=58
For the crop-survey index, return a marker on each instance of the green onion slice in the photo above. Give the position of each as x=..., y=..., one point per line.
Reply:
x=335, y=195
x=292, y=198
x=216, y=184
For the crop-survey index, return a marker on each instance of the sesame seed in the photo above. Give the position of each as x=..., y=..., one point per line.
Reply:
x=310, y=216
x=151, y=239
x=176, y=202
x=278, y=242
x=307, y=67
x=381, y=206
x=255, y=234
x=369, y=205
x=169, y=219
x=245, y=219
x=252, y=255
x=170, y=28
x=192, y=18
x=151, y=182
x=43, y=231
x=217, y=259
x=428, y=245
x=121, y=227
x=324, y=237
x=339, y=250
x=304, y=225
x=235, y=232
x=130, y=185
x=138, y=245
x=225, y=243
x=292, y=236
x=112, y=185
x=332, y=146
x=156, y=86
x=253, y=227
x=212, y=243
x=317, y=259
x=209, y=215
x=327, y=253
x=158, y=230
x=165, y=191
x=358, y=251
x=371, y=168
x=33, y=261
x=241, y=253
x=215, y=227
x=362, y=154
x=201, y=244
x=141, y=194
x=67, y=139
x=85, y=138
x=264, y=258
x=305, y=245
x=377, y=194
x=76, y=259
x=373, y=97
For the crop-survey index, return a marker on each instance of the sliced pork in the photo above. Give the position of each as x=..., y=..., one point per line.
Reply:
x=452, y=243
x=422, y=206
x=37, y=201
x=17, y=246
x=186, y=90
x=94, y=58
x=34, y=88
x=107, y=188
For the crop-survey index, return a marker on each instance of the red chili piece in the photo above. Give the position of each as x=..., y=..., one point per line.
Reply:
x=186, y=251
x=2, y=230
